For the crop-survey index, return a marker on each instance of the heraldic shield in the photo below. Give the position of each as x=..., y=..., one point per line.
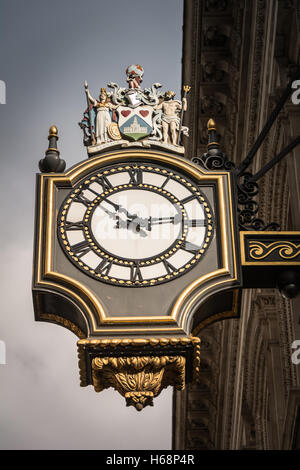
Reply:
x=135, y=124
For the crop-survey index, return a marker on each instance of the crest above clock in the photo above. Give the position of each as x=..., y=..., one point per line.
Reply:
x=133, y=117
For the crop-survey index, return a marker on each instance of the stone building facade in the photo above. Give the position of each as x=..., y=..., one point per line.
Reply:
x=238, y=56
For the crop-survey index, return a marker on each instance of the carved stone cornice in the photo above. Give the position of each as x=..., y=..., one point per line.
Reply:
x=254, y=372
x=226, y=383
x=211, y=60
x=266, y=379
x=256, y=68
x=201, y=398
x=237, y=61
x=287, y=336
x=291, y=436
x=274, y=183
x=192, y=16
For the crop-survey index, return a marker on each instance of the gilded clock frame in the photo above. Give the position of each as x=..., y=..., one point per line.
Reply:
x=47, y=280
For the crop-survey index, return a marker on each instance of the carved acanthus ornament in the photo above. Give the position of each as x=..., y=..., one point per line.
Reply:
x=138, y=379
x=139, y=369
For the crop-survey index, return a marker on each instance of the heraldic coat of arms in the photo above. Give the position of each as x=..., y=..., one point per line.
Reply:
x=133, y=116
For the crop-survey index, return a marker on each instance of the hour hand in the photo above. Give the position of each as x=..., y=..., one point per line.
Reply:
x=131, y=225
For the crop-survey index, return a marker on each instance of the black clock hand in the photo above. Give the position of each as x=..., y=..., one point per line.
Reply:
x=124, y=223
x=147, y=223
x=165, y=220
x=130, y=224
x=138, y=222
x=112, y=215
x=119, y=208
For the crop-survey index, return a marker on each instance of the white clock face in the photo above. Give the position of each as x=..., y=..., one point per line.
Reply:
x=135, y=225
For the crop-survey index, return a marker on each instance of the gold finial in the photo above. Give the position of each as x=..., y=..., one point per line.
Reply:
x=51, y=163
x=211, y=125
x=53, y=131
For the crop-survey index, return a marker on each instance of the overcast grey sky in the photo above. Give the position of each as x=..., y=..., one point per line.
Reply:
x=48, y=48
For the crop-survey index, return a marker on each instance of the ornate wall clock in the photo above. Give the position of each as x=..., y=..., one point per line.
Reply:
x=137, y=248
x=135, y=245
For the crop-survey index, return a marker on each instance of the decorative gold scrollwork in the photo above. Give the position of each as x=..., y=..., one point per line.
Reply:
x=138, y=379
x=286, y=250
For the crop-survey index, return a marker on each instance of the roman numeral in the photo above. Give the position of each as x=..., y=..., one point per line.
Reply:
x=81, y=248
x=136, y=176
x=197, y=223
x=105, y=183
x=190, y=247
x=165, y=182
x=169, y=267
x=87, y=186
x=188, y=198
x=135, y=273
x=74, y=226
x=83, y=200
x=104, y=267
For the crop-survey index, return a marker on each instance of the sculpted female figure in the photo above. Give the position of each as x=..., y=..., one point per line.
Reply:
x=103, y=117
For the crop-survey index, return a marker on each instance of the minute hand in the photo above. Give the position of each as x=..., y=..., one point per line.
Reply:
x=164, y=220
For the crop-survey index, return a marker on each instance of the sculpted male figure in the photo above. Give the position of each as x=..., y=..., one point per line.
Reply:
x=170, y=116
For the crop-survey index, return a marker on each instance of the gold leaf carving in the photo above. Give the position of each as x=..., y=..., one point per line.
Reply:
x=139, y=379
